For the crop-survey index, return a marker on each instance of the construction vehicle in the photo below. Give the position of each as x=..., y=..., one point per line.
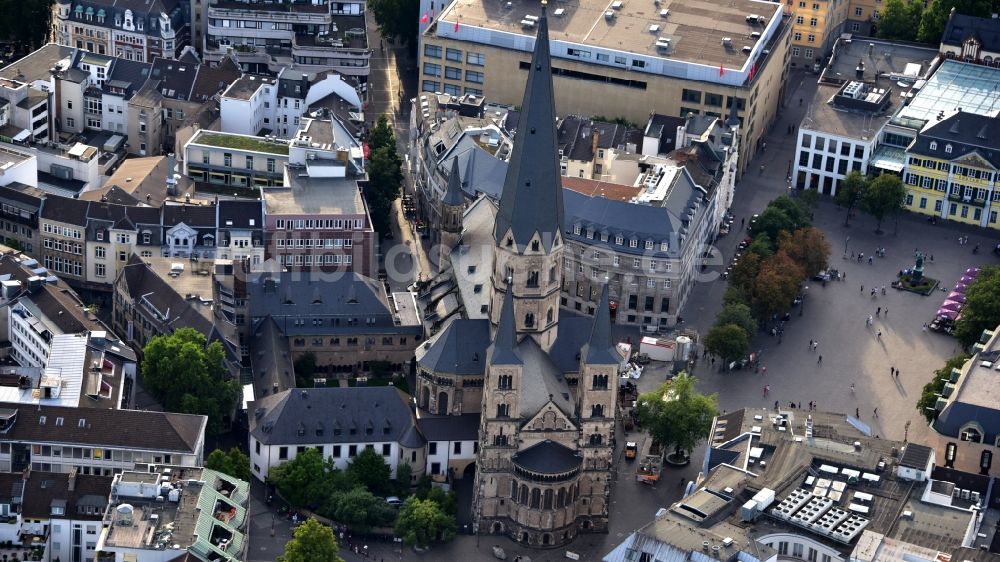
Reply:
x=630, y=450
x=650, y=463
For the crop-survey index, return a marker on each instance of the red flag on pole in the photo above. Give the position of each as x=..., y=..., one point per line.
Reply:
x=753, y=70
x=423, y=18
x=722, y=70
x=433, y=13
x=456, y=26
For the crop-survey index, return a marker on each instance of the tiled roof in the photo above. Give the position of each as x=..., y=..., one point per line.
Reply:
x=44, y=489
x=332, y=415
x=134, y=429
x=65, y=210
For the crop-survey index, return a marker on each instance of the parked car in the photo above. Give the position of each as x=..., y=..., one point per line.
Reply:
x=394, y=501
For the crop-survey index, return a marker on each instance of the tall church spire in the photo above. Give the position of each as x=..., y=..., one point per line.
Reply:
x=532, y=199
x=453, y=194
x=599, y=350
x=504, y=349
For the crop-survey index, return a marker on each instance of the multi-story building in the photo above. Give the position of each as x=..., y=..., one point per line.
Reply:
x=340, y=423
x=587, y=148
x=20, y=207
x=248, y=106
x=668, y=60
x=63, y=511
x=951, y=167
x=965, y=409
x=113, y=233
x=816, y=25
x=345, y=320
x=129, y=30
x=843, y=129
x=863, y=16
x=96, y=440
x=17, y=167
x=242, y=161
x=145, y=123
x=789, y=484
x=166, y=512
x=314, y=35
x=24, y=111
x=63, y=232
x=240, y=231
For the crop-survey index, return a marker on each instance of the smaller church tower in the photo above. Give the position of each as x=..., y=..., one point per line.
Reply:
x=452, y=209
x=597, y=392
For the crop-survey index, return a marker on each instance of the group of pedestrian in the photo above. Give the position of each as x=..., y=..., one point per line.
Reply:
x=893, y=371
x=963, y=240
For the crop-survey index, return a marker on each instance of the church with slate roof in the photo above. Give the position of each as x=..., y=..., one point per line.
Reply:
x=545, y=389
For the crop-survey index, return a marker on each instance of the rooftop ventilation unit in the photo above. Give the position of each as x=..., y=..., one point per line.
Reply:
x=663, y=43
x=664, y=13
x=654, y=28
x=727, y=41
x=609, y=15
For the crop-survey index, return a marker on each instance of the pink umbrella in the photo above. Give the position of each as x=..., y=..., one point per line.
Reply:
x=973, y=271
x=951, y=305
x=967, y=279
x=949, y=314
x=956, y=296
x=960, y=287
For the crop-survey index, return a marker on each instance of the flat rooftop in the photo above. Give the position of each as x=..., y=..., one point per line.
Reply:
x=971, y=87
x=824, y=116
x=327, y=196
x=695, y=27
x=11, y=157
x=193, y=282
x=296, y=7
x=881, y=59
x=596, y=188
x=239, y=142
x=244, y=87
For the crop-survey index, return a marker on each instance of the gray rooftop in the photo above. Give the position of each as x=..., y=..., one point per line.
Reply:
x=311, y=196
x=332, y=415
x=955, y=85
x=459, y=348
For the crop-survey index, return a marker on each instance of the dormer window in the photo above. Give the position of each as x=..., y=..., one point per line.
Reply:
x=534, y=245
x=933, y=145
x=649, y=244
x=664, y=246
x=619, y=240
x=576, y=229
x=947, y=148
x=633, y=243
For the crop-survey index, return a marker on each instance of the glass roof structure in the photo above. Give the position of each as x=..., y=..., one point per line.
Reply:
x=972, y=87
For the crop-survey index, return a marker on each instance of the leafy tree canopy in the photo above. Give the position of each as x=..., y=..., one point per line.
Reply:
x=849, y=192
x=397, y=18
x=234, y=463
x=422, y=521
x=808, y=248
x=312, y=542
x=738, y=314
x=370, y=470
x=190, y=377
x=776, y=285
x=900, y=20
x=982, y=307
x=884, y=196
x=676, y=415
x=931, y=391
x=728, y=341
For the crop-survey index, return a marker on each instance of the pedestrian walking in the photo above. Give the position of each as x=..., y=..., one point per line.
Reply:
x=776, y=405
x=883, y=290
x=852, y=388
x=862, y=291
x=925, y=326
x=820, y=360
x=892, y=371
x=878, y=311
x=869, y=321
x=879, y=334
x=761, y=170
x=897, y=373
x=815, y=345
x=810, y=345
x=959, y=240
x=876, y=412
x=885, y=312
x=857, y=413
x=743, y=222
x=870, y=260
x=763, y=371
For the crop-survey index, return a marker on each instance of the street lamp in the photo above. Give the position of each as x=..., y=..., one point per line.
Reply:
x=846, y=240
x=802, y=305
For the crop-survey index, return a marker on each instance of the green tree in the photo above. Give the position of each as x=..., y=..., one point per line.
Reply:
x=361, y=510
x=928, y=397
x=935, y=16
x=762, y=246
x=849, y=192
x=900, y=20
x=370, y=470
x=25, y=22
x=982, y=307
x=397, y=18
x=796, y=209
x=776, y=285
x=448, y=501
x=728, y=341
x=808, y=248
x=883, y=197
x=404, y=477
x=772, y=221
x=739, y=314
x=809, y=198
x=312, y=542
x=422, y=521
x=381, y=134
x=190, y=377
x=234, y=463
x=305, y=480
x=676, y=415
x=385, y=176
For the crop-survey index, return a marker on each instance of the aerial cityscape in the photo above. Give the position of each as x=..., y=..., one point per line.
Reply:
x=316, y=281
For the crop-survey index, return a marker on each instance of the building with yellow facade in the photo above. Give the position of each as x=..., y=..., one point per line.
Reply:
x=952, y=168
x=816, y=24
x=626, y=58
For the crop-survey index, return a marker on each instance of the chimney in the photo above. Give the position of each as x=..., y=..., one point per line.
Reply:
x=71, y=482
x=595, y=138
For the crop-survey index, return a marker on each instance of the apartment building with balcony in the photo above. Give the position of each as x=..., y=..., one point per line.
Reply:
x=20, y=206
x=139, y=31
x=24, y=111
x=311, y=35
